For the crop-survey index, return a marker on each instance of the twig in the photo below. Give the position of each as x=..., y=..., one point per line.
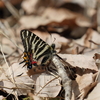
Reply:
x=12, y=78
x=46, y=85
x=14, y=88
x=66, y=81
x=1, y=32
x=94, y=42
x=11, y=9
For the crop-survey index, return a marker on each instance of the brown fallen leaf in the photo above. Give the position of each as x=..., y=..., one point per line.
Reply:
x=49, y=17
x=37, y=6
x=81, y=61
x=83, y=22
x=15, y=78
x=61, y=43
x=74, y=48
x=83, y=85
x=91, y=52
x=94, y=94
x=90, y=35
x=28, y=22
x=97, y=61
x=7, y=49
x=5, y=41
x=29, y=5
x=87, y=89
x=47, y=86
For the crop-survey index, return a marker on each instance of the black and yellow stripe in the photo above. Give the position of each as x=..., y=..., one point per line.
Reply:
x=40, y=49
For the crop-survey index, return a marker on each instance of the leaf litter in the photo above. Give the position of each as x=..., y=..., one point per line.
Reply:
x=54, y=24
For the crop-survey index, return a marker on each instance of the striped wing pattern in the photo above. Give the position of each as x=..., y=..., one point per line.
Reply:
x=35, y=49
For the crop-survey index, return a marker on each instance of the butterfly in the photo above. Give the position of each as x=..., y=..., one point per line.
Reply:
x=37, y=52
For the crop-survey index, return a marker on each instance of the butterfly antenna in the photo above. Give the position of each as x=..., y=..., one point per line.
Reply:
x=22, y=62
x=45, y=30
x=25, y=64
x=49, y=34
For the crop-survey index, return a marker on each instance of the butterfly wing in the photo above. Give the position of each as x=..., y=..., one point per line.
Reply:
x=40, y=50
x=27, y=38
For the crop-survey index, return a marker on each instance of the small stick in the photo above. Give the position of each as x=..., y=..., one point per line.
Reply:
x=66, y=81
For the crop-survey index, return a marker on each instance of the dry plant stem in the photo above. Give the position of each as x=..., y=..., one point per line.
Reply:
x=1, y=32
x=11, y=9
x=12, y=78
x=46, y=85
x=66, y=81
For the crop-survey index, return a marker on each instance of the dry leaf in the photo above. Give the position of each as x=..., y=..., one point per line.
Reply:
x=7, y=49
x=90, y=52
x=83, y=85
x=81, y=61
x=61, y=43
x=83, y=22
x=15, y=78
x=47, y=86
x=29, y=6
x=48, y=17
x=94, y=94
x=90, y=35
x=57, y=16
x=37, y=6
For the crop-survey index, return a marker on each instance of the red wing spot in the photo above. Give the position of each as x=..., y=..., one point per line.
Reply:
x=33, y=62
x=31, y=59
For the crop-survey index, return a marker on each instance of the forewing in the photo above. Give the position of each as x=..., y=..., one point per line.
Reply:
x=27, y=38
